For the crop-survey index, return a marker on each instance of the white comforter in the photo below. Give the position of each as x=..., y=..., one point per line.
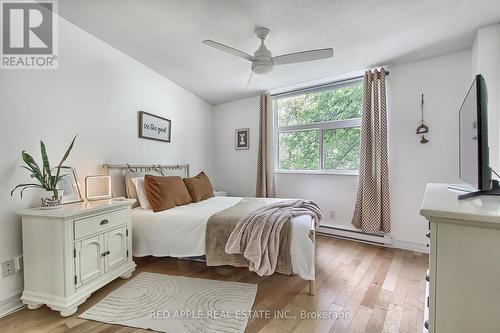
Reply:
x=180, y=232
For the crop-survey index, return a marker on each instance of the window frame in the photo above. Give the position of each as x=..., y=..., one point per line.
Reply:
x=320, y=126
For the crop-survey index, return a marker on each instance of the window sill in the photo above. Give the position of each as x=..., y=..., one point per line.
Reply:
x=319, y=172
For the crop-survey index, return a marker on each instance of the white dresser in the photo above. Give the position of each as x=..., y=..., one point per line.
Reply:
x=464, y=267
x=72, y=251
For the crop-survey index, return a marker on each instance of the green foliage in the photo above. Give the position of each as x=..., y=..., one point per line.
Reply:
x=44, y=176
x=341, y=148
x=299, y=150
x=329, y=105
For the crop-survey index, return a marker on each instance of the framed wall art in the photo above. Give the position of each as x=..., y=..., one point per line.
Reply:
x=242, y=138
x=154, y=127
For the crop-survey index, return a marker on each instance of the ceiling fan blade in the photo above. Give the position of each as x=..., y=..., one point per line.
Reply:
x=303, y=56
x=228, y=49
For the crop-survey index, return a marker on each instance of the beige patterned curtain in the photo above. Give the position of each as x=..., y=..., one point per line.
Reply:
x=372, y=211
x=265, y=165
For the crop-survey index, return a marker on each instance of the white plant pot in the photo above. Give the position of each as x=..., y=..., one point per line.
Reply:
x=49, y=201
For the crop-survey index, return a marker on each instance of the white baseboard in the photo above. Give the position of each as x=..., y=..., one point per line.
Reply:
x=411, y=246
x=11, y=304
x=376, y=239
x=355, y=235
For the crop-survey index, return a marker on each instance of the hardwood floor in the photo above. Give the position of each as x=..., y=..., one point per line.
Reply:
x=377, y=289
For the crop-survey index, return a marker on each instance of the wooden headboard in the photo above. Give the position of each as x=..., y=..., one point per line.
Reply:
x=117, y=173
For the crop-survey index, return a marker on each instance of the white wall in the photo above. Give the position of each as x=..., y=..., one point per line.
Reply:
x=335, y=193
x=95, y=93
x=486, y=61
x=444, y=81
x=236, y=170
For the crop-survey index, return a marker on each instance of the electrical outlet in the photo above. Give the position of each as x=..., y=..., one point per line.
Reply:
x=18, y=263
x=332, y=214
x=8, y=268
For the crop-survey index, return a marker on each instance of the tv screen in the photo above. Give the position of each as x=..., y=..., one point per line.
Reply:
x=474, y=160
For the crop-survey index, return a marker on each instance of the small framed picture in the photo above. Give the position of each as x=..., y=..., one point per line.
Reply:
x=242, y=138
x=154, y=127
x=69, y=185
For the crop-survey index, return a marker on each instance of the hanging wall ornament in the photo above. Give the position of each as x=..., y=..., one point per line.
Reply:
x=422, y=129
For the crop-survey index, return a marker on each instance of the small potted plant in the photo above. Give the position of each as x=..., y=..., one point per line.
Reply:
x=47, y=178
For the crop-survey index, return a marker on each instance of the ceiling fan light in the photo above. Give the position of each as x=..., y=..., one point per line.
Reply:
x=261, y=67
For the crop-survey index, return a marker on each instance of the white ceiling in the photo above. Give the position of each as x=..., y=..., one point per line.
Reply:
x=166, y=35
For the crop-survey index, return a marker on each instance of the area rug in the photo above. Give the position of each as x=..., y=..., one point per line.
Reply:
x=177, y=304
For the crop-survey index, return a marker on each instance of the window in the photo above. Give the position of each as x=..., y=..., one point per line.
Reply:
x=319, y=130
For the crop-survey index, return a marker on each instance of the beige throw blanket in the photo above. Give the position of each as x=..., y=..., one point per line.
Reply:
x=257, y=235
x=221, y=225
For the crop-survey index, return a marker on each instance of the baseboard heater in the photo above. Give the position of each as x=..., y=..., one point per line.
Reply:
x=356, y=235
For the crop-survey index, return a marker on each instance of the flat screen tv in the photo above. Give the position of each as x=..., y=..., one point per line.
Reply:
x=474, y=152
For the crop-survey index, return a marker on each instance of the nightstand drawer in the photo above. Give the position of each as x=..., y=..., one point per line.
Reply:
x=96, y=224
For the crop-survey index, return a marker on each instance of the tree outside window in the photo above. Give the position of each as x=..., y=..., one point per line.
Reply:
x=320, y=130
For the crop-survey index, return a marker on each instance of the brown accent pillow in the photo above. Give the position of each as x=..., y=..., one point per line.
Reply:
x=165, y=192
x=199, y=187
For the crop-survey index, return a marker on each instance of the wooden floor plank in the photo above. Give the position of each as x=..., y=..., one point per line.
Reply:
x=354, y=300
x=393, y=319
x=410, y=320
x=376, y=289
x=392, y=274
x=360, y=320
x=373, y=291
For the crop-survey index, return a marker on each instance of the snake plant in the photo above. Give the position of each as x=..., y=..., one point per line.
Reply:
x=47, y=178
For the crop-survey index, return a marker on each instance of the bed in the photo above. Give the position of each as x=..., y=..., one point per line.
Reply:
x=180, y=232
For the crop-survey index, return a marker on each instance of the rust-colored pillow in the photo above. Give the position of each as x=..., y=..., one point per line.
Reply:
x=165, y=192
x=199, y=187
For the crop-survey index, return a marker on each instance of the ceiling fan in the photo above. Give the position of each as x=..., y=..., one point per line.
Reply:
x=263, y=61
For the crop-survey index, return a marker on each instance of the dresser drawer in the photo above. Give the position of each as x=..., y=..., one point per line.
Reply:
x=96, y=224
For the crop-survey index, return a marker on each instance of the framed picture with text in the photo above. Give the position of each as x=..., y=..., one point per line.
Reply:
x=154, y=127
x=242, y=139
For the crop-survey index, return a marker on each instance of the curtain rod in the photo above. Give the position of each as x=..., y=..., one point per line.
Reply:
x=323, y=85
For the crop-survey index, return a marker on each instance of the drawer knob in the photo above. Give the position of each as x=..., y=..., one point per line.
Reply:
x=427, y=278
x=428, y=235
x=103, y=222
x=426, y=324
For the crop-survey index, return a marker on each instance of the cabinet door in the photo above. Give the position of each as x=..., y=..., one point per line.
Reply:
x=89, y=259
x=116, y=247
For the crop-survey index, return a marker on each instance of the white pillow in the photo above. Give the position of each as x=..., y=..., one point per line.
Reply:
x=141, y=193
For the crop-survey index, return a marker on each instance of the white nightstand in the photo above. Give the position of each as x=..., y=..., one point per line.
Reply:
x=220, y=193
x=71, y=252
